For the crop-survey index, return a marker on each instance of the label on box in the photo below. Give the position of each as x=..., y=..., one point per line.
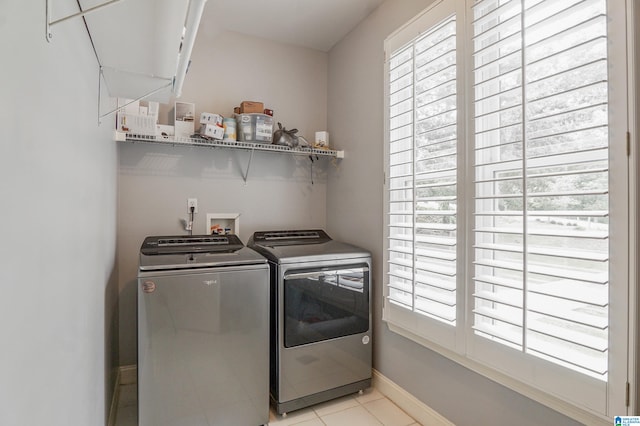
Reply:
x=263, y=131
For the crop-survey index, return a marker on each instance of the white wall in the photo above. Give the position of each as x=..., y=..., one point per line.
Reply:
x=354, y=213
x=57, y=229
x=155, y=181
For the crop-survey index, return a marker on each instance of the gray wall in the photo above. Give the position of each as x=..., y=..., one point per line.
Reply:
x=354, y=213
x=58, y=229
x=155, y=181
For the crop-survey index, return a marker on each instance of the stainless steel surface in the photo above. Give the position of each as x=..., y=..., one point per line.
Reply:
x=317, y=398
x=203, y=341
x=299, y=246
x=197, y=251
x=321, y=333
x=244, y=256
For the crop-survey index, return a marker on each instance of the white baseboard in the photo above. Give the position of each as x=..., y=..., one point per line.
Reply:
x=421, y=412
x=113, y=410
x=126, y=375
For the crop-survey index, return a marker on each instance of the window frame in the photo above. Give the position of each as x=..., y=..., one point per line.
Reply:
x=454, y=342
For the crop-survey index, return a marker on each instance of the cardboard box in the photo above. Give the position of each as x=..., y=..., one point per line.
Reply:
x=248, y=107
x=212, y=131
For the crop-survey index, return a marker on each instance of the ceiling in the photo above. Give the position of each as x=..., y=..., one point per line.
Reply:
x=315, y=24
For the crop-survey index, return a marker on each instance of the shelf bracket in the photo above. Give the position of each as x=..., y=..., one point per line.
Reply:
x=246, y=173
x=50, y=23
x=168, y=84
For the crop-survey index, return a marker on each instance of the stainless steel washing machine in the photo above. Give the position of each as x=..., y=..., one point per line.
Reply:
x=203, y=335
x=320, y=317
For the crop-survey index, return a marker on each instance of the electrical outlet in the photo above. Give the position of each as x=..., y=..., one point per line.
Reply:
x=192, y=202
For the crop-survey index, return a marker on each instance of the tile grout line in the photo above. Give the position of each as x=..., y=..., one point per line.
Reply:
x=361, y=399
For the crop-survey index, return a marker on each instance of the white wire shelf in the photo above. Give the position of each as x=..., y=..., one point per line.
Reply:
x=211, y=143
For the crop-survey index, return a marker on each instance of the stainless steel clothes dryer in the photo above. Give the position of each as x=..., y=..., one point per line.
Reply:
x=320, y=317
x=203, y=335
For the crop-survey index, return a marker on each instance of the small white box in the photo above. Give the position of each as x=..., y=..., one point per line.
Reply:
x=153, y=109
x=184, y=111
x=129, y=106
x=212, y=131
x=322, y=139
x=183, y=114
x=137, y=124
x=184, y=129
x=210, y=118
x=126, y=107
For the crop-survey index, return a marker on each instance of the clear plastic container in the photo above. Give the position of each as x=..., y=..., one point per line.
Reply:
x=229, y=125
x=254, y=128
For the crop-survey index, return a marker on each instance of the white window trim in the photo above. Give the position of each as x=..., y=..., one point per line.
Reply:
x=625, y=11
x=632, y=9
x=558, y=404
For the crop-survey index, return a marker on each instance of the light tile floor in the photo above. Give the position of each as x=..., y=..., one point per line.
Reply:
x=369, y=409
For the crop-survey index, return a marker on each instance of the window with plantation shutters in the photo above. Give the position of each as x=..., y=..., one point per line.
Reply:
x=541, y=219
x=507, y=207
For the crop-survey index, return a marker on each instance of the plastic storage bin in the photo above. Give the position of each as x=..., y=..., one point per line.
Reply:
x=254, y=128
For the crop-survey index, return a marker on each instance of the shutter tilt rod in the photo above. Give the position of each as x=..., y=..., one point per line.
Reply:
x=50, y=24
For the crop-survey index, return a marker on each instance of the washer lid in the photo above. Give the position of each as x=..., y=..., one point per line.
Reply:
x=197, y=251
x=318, y=247
x=191, y=244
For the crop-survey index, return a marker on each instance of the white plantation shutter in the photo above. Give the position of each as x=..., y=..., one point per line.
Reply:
x=507, y=185
x=422, y=227
x=541, y=253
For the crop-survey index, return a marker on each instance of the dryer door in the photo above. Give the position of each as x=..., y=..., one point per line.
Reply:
x=325, y=304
